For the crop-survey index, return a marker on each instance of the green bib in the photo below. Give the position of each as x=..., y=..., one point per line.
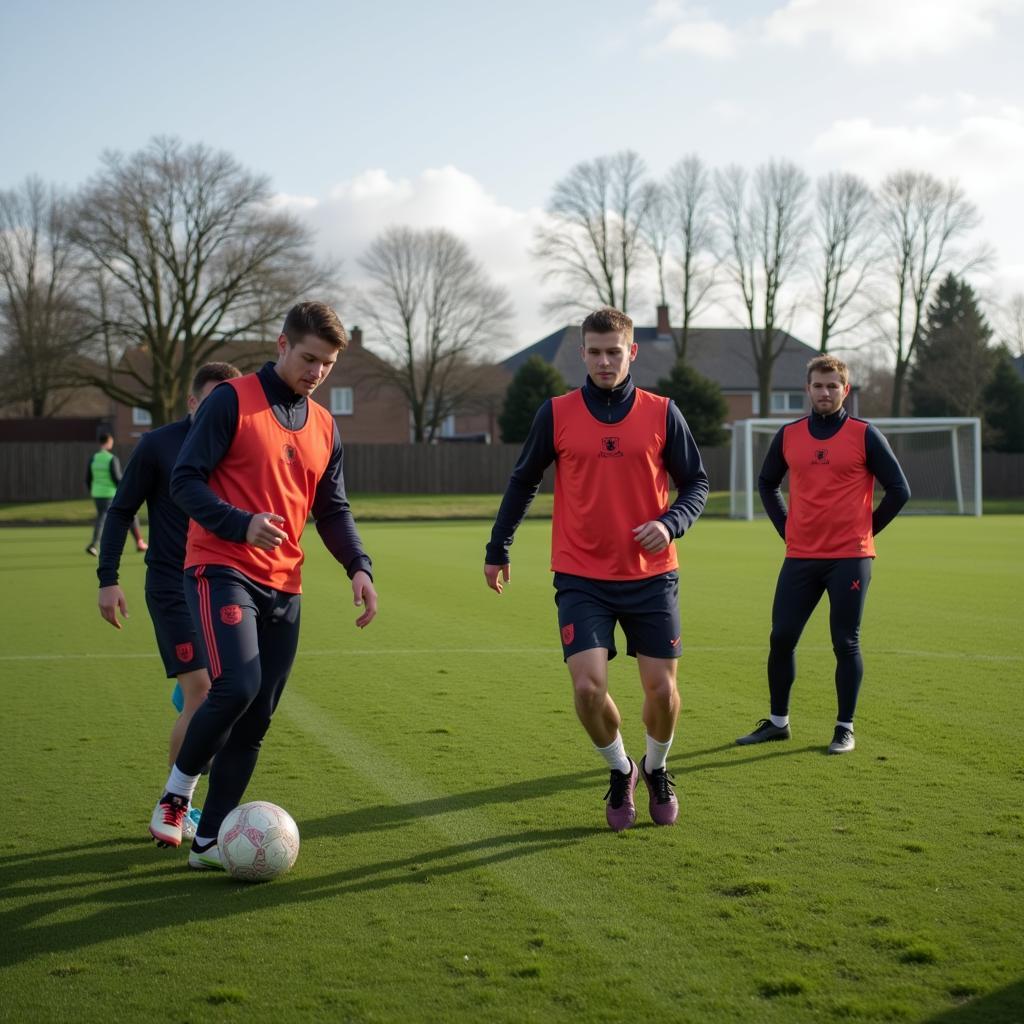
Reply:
x=103, y=485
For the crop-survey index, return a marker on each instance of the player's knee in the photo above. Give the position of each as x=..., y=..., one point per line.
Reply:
x=588, y=690
x=846, y=645
x=783, y=640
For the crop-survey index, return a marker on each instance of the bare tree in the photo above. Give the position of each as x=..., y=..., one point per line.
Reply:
x=846, y=232
x=41, y=317
x=657, y=234
x=434, y=314
x=691, y=201
x=594, y=242
x=186, y=253
x=1009, y=320
x=764, y=223
x=924, y=223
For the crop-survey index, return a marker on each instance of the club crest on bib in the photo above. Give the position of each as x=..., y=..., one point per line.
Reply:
x=231, y=615
x=820, y=457
x=610, y=448
x=288, y=453
x=184, y=652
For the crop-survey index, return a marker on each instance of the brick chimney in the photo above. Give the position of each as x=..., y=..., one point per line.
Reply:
x=664, y=328
x=355, y=337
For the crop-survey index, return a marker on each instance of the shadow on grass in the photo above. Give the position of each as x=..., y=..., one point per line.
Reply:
x=133, y=889
x=1006, y=1006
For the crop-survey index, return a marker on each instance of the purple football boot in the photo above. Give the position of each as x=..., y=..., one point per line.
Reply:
x=664, y=806
x=620, y=809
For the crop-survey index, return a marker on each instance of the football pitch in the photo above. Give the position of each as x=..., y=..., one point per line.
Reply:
x=455, y=864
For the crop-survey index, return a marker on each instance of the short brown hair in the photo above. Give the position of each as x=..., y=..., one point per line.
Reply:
x=828, y=364
x=213, y=372
x=314, y=318
x=608, y=321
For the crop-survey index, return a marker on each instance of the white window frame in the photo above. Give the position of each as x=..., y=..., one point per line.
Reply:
x=782, y=402
x=141, y=417
x=343, y=401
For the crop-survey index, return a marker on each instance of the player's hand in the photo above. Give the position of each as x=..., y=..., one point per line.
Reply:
x=363, y=593
x=652, y=536
x=263, y=533
x=496, y=576
x=111, y=601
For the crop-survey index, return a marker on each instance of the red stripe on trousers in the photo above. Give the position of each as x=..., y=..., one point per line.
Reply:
x=206, y=617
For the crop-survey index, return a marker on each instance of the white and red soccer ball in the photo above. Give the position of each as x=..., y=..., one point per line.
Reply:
x=258, y=841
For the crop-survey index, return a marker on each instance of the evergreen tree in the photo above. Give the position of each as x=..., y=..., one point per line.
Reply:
x=954, y=362
x=534, y=383
x=700, y=401
x=1004, y=406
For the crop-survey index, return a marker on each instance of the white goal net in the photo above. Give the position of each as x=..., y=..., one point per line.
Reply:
x=941, y=457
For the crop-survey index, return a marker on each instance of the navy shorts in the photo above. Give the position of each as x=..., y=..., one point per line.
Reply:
x=180, y=646
x=647, y=610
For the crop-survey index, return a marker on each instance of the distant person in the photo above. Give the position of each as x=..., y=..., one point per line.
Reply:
x=833, y=461
x=617, y=450
x=102, y=475
x=147, y=478
x=260, y=458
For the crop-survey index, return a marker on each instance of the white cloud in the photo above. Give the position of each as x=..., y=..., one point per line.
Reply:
x=871, y=30
x=692, y=30
x=355, y=211
x=984, y=150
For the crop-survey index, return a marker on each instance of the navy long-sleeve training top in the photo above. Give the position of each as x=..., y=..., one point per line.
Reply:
x=881, y=463
x=680, y=454
x=208, y=442
x=147, y=480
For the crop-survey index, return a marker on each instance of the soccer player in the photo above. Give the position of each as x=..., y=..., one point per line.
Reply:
x=260, y=458
x=102, y=475
x=833, y=461
x=615, y=448
x=147, y=478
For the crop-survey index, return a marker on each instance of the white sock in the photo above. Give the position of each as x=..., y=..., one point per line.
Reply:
x=779, y=721
x=845, y=725
x=181, y=784
x=615, y=755
x=657, y=752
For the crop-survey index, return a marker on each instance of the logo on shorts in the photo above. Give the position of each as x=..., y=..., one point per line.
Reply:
x=231, y=615
x=675, y=643
x=289, y=453
x=820, y=457
x=855, y=585
x=568, y=632
x=185, y=652
x=610, y=448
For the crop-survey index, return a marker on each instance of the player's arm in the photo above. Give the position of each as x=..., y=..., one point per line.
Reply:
x=538, y=452
x=682, y=460
x=115, y=469
x=769, y=484
x=885, y=468
x=207, y=442
x=337, y=528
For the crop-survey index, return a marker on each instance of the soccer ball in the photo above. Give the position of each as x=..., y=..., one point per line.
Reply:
x=258, y=841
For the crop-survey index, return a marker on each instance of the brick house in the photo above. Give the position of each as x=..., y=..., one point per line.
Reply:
x=366, y=409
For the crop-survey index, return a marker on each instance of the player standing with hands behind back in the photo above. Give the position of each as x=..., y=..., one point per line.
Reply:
x=261, y=456
x=615, y=448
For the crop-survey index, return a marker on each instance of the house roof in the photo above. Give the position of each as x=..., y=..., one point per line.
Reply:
x=720, y=353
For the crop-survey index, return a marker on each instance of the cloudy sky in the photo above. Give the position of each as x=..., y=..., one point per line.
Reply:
x=464, y=115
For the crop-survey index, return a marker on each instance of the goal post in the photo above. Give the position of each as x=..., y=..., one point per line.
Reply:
x=941, y=456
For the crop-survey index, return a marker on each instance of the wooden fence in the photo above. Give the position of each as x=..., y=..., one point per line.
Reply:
x=49, y=471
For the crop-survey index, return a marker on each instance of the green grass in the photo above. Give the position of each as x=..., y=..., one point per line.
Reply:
x=454, y=864
x=369, y=508
x=375, y=508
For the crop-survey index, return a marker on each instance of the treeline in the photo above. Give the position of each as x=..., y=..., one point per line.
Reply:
x=174, y=251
